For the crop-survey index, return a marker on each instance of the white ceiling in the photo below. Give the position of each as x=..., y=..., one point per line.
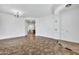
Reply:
x=35, y=10
x=61, y=9
x=30, y=10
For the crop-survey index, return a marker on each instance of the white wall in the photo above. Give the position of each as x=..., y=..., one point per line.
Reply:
x=48, y=27
x=11, y=26
x=70, y=25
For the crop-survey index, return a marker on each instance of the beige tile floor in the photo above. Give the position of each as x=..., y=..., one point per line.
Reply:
x=37, y=46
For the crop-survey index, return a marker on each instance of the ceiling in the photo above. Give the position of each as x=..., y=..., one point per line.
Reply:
x=63, y=9
x=30, y=10
x=35, y=10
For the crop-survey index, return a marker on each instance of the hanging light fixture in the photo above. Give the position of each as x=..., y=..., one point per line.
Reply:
x=17, y=13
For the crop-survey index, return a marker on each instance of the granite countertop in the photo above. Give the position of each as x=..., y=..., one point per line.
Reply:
x=37, y=45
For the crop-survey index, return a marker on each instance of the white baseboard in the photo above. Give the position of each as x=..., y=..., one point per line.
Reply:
x=6, y=37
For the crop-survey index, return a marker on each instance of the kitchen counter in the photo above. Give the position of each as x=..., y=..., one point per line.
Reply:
x=37, y=45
